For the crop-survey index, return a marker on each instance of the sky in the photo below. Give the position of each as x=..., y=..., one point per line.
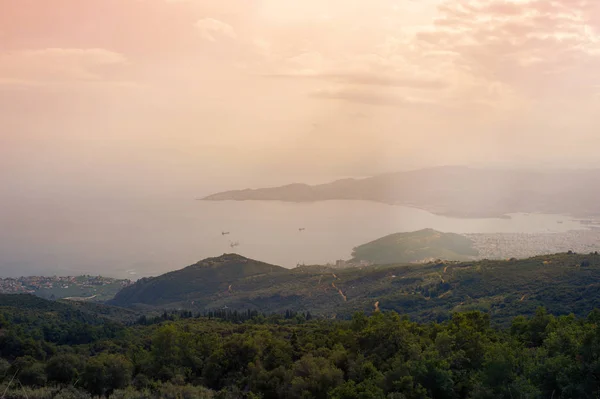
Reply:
x=139, y=96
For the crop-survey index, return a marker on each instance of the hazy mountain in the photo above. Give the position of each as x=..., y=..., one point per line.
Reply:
x=455, y=191
x=415, y=247
x=562, y=283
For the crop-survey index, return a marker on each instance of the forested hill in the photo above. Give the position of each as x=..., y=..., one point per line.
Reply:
x=416, y=246
x=563, y=283
x=79, y=350
x=89, y=313
x=453, y=191
x=198, y=284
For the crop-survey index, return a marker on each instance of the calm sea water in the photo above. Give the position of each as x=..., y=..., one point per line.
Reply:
x=142, y=238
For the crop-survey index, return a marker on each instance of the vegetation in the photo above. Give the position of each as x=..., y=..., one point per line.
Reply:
x=80, y=288
x=562, y=283
x=415, y=247
x=208, y=277
x=47, y=353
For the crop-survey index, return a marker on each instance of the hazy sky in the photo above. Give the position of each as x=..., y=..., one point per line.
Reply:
x=100, y=95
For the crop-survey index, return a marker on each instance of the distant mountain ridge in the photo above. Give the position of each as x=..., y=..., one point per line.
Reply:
x=452, y=191
x=563, y=283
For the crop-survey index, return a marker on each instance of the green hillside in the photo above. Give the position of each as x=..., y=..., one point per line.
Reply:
x=85, y=312
x=562, y=283
x=197, y=284
x=86, y=288
x=477, y=344
x=80, y=289
x=415, y=247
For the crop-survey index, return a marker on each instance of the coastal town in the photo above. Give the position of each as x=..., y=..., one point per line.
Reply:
x=523, y=245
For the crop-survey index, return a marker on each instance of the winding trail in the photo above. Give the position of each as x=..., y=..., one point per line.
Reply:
x=340, y=291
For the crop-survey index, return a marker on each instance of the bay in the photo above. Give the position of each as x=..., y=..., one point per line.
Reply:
x=137, y=238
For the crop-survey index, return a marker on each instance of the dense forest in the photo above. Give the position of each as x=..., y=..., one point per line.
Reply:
x=57, y=350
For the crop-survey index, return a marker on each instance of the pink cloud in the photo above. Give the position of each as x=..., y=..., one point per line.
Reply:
x=210, y=29
x=535, y=45
x=367, y=96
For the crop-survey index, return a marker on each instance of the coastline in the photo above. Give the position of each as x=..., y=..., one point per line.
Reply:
x=432, y=210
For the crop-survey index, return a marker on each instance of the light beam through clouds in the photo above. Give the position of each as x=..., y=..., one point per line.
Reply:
x=175, y=88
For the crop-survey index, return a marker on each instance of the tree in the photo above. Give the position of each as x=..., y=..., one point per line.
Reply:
x=165, y=347
x=352, y=390
x=33, y=375
x=4, y=369
x=105, y=373
x=315, y=376
x=65, y=368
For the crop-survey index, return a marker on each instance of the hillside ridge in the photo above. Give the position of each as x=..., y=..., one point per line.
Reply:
x=563, y=283
x=208, y=277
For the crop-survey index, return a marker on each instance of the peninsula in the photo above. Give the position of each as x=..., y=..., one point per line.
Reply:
x=452, y=191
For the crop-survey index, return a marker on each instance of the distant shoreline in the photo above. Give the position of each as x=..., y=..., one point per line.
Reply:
x=584, y=218
x=459, y=192
x=450, y=214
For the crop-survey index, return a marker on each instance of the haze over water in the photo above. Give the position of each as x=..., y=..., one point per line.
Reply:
x=106, y=105
x=133, y=238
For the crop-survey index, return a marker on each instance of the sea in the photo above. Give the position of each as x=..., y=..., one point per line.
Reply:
x=150, y=236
